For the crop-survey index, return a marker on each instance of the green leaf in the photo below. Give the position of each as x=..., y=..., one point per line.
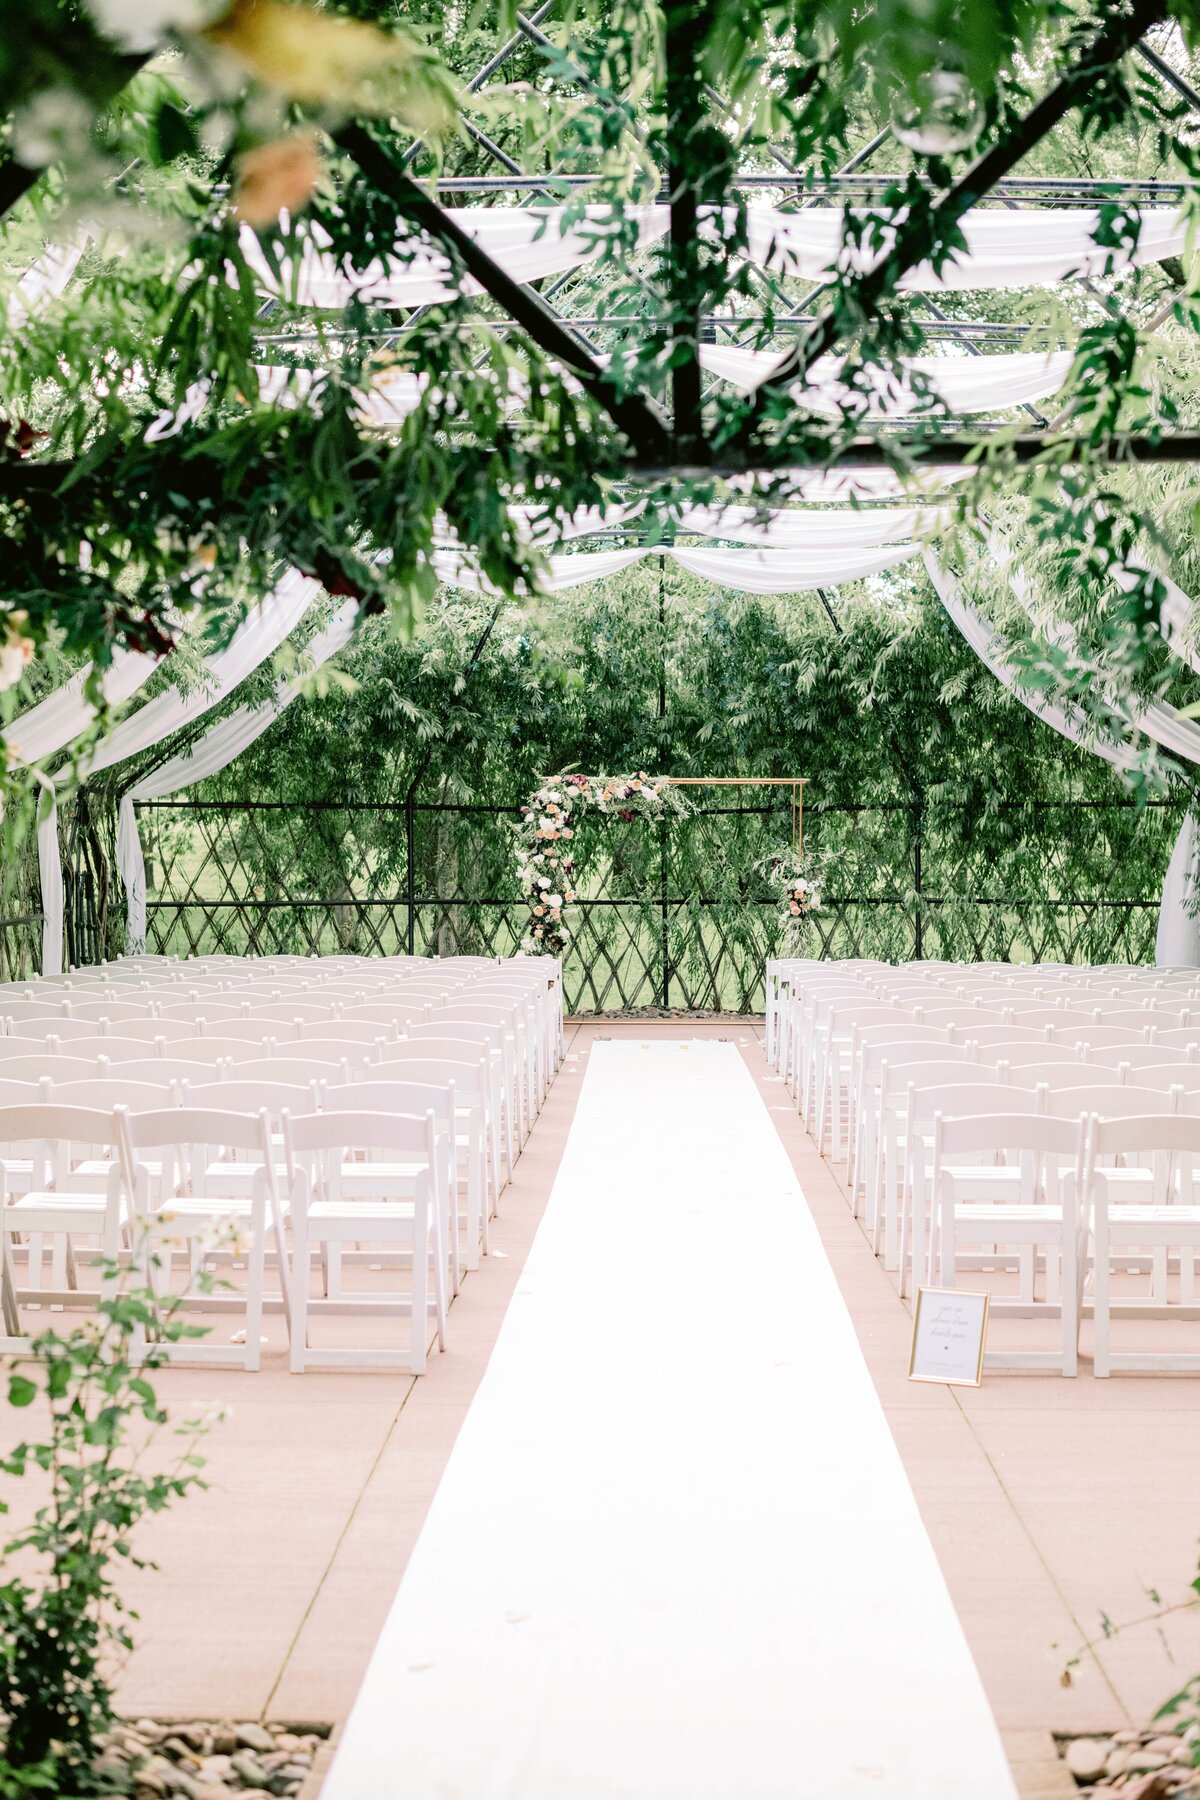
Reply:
x=174, y=133
x=21, y=1391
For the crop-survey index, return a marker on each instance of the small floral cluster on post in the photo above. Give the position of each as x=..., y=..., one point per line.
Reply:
x=545, y=852
x=797, y=883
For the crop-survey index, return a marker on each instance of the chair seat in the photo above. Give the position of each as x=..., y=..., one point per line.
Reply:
x=1133, y=1216
x=364, y=1208
x=62, y=1211
x=1019, y=1213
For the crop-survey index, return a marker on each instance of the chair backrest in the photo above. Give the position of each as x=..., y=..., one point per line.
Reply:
x=166, y=1068
x=57, y=1068
x=469, y=1073
x=356, y=1129
x=1182, y=1038
x=298, y=1069
x=166, y=1030
x=39, y=1007
x=310, y=1012
x=1038, y=1133
x=462, y=1031
x=902, y=1030
x=113, y=1049
x=113, y=1012
x=248, y=1095
x=1110, y=1102
x=1163, y=1076
x=953, y=1099
x=346, y=1031
x=48, y=1122
x=182, y=1125
x=216, y=1049
x=996, y=1037
x=1138, y=1018
x=13, y=1047
x=404, y=1011
x=1097, y=1037
x=1017, y=1056
x=43, y=1026
x=335, y=1049
x=108, y=1091
x=22, y=1093
x=212, y=1012
x=876, y=1058
x=250, y=1031
x=412, y=1097
x=1063, y=1077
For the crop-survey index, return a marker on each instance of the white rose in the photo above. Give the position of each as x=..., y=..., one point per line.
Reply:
x=554, y=900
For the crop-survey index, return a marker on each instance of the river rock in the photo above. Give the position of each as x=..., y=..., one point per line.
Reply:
x=255, y=1737
x=250, y=1769
x=1087, y=1758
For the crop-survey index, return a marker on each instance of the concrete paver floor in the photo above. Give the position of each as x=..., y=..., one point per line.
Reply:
x=1050, y=1503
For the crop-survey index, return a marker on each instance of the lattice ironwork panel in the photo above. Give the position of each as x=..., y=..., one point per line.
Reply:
x=676, y=913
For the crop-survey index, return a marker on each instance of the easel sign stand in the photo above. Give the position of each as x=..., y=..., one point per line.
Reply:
x=949, y=1333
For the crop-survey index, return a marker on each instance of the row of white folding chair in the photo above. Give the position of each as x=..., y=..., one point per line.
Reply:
x=1080, y=1165
x=971, y=1097
x=245, y=1190
x=890, y=1075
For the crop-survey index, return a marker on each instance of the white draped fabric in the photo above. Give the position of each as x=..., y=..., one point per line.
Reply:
x=528, y=242
x=749, y=571
x=1178, y=942
x=983, y=641
x=1164, y=724
x=217, y=748
x=1019, y=248
x=967, y=384
x=65, y=715
x=258, y=636
x=1033, y=247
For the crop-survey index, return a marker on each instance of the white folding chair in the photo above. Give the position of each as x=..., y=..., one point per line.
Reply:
x=61, y=1209
x=223, y=1219
x=472, y=1079
x=1168, y=1220
x=322, y=1216
x=413, y=1099
x=951, y=1099
x=1038, y=1211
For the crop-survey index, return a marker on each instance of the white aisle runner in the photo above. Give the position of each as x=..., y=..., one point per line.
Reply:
x=674, y=1554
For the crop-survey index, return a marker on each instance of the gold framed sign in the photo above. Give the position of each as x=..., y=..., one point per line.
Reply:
x=949, y=1333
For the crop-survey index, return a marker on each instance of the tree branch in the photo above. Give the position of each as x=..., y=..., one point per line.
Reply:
x=639, y=418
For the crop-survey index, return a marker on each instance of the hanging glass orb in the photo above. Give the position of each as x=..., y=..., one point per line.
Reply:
x=940, y=116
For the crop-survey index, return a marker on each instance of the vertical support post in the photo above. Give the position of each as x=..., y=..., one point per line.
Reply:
x=918, y=832
x=410, y=857
x=685, y=113
x=664, y=899
x=662, y=637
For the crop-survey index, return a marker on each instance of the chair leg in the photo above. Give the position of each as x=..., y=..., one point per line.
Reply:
x=439, y=1275
x=420, y=1287
x=1069, y=1298
x=255, y=1262
x=1101, y=1320
x=298, y=1324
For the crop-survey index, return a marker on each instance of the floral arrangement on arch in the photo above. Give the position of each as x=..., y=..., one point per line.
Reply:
x=545, y=848
x=796, y=879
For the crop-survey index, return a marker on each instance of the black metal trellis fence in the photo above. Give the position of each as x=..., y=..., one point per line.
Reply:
x=672, y=914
